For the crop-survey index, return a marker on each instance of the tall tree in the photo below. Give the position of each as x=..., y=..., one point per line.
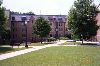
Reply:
x=41, y=28
x=82, y=19
x=1, y=2
x=2, y=21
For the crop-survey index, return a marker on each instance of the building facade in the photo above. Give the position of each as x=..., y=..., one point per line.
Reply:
x=18, y=26
x=98, y=32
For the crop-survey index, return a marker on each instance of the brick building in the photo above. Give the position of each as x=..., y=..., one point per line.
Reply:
x=18, y=26
x=57, y=23
x=98, y=32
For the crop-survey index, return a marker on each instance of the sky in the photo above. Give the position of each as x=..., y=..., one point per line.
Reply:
x=45, y=7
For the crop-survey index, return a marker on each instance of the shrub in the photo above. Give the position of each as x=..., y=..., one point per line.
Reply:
x=64, y=38
x=51, y=39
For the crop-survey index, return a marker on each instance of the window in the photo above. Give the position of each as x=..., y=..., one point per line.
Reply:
x=59, y=29
x=23, y=35
x=59, y=18
x=13, y=36
x=59, y=24
x=12, y=24
x=54, y=18
x=16, y=29
x=49, y=18
x=23, y=29
x=23, y=18
x=50, y=35
x=16, y=35
x=13, y=30
x=13, y=18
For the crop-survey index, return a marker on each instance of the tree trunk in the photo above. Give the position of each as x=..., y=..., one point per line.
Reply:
x=82, y=41
x=82, y=38
x=41, y=40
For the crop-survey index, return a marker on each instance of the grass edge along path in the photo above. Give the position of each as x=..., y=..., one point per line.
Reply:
x=4, y=50
x=57, y=56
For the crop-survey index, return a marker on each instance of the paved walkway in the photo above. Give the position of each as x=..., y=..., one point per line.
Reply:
x=16, y=53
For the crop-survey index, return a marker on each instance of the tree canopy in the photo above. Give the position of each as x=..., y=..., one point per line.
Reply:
x=41, y=28
x=2, y=21
x=82, y=19
x=1, y=2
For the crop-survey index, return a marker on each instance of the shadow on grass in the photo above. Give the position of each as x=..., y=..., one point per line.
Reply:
x=5, y=49
x=39, y=44
x=90, y=44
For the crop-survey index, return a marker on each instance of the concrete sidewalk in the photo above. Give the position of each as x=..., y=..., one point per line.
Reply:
x=16, y=53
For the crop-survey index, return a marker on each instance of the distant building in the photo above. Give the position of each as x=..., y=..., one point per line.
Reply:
x=57, y=23
x=16, y=23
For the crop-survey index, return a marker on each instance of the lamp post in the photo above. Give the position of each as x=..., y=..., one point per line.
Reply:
x=26, y=34
x=56, y=33
x=82, y=38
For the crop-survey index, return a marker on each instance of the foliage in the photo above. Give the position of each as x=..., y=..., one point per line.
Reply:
x=68, y=36
x=4, y=32
x=2, y=21
x=9, y=49
x=82, y=19
x=41, y=28
x=64, y=38
x=6, y=35
x=51, y=39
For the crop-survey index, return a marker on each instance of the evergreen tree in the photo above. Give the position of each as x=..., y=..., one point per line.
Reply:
x=82, y=19
x=41, y=28
x=2, y=22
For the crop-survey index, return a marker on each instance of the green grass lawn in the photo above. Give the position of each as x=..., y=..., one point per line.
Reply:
x=9, y=49
x=58, y=56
